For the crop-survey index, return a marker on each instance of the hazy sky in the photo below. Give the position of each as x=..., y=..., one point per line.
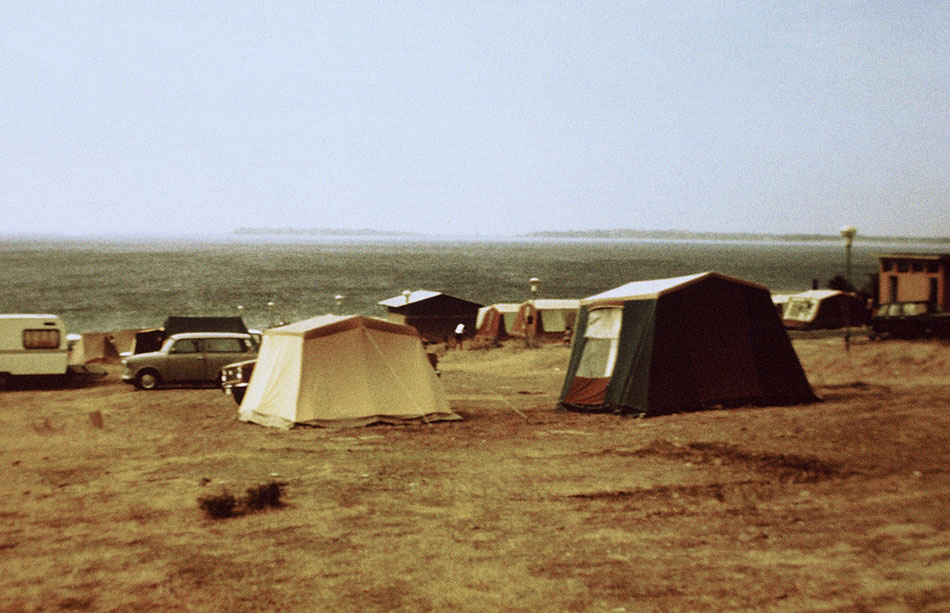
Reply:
x=475, y=117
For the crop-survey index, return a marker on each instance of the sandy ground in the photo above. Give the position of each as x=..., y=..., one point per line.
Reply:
x=835, y=506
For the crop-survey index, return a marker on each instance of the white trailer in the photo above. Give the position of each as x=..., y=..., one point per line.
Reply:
x=32, y=345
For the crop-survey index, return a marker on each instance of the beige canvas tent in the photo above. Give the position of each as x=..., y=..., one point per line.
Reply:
x=342, y=371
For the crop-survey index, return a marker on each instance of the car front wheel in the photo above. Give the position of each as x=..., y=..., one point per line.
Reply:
x=147, y=380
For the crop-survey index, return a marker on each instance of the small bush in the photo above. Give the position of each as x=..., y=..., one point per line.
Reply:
x=219, y=506
x=257, y=498
x=264, y=496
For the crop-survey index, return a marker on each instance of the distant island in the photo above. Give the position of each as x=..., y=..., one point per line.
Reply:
x=623, y=233
x=316, y=232
x=726, y=236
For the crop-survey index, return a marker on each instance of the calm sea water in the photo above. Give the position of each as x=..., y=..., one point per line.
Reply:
x=99, y=286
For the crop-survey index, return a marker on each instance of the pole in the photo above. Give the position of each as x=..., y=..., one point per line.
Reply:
x=847, y=274
x=848, y=233
x=534, y=283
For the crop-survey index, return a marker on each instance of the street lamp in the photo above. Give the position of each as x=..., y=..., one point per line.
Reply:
x=270, y=312
x=847, y=233
x=339, y=302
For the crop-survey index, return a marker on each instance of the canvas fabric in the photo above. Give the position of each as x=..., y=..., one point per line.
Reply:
x=705, y=340
x=343, y=372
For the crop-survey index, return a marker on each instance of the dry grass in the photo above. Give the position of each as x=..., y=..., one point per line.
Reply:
x=836, y=506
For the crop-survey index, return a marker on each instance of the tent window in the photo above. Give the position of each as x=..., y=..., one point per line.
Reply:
x=601, y=340
x=554, y=320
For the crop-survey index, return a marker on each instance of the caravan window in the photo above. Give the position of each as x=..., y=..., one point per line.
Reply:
x=41, y=339
x=601, y=340
x=799, y=309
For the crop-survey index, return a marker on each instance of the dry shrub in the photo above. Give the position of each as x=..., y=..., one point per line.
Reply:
x=257, y=498
x=264, y=496
x=219, y=506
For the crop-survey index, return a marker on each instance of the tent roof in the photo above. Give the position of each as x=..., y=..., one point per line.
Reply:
x=325, y=325
x=916, y=256
x=550, y=304
x=417, y=296
x=654, y=288
x=817, y=294
x=186, y=323
x=503, y=307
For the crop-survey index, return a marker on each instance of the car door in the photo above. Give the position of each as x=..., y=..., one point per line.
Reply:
x=185, y=361
x=220, y=352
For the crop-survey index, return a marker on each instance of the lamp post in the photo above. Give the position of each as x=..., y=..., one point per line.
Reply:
x=339, y=302
x=534, y=283
x=270, y=312
x=847, y=233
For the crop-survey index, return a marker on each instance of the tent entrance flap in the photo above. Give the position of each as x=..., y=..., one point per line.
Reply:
x=598, y=358
x=601, y=338
x=585, y=391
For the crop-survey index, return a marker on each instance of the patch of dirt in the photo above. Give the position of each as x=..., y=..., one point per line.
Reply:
x=839, y=505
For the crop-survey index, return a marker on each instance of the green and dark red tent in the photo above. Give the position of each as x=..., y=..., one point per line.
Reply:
x=679, y=344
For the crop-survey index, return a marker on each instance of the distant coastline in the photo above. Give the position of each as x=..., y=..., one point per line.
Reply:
x=624, y=233
x=727, y=236
x=365, y=234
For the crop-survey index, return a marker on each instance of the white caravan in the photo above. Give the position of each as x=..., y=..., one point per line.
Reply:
x=32, y=345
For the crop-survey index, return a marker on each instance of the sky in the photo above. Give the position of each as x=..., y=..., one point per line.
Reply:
x=483, y=117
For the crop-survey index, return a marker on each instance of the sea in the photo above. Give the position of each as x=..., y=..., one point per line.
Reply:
x=104, y=285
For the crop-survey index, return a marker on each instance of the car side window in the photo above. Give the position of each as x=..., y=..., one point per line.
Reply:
x=225, y=345
x=187, y=345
